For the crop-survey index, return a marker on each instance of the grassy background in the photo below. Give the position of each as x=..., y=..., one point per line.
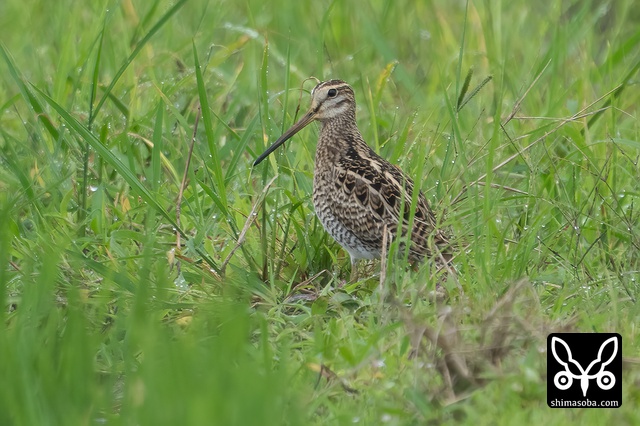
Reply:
x=104, y=321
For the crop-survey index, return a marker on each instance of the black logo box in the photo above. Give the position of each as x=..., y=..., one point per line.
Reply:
x=584, y=370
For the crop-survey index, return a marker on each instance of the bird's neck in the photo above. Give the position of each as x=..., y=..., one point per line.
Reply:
x=339, y=138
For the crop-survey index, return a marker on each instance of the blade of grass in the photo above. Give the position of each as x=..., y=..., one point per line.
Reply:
x=161, y=22
x=240, y=149
x=218, y=176
x=95, y=76
x=28, y=96
x=82, y=211
x=287, y=73
x=461, y=54
x=615, y=95
x=264, y=118
x=121, y=168
x=106, y=154
x=156, y=163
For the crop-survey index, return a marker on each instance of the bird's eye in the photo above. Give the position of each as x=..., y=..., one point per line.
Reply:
x=332, y=93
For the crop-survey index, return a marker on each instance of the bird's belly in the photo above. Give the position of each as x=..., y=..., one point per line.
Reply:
x=335, y=226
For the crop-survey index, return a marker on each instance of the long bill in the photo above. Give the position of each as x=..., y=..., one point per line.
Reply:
x=306, y=119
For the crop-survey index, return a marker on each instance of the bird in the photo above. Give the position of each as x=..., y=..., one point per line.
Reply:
x=359, y=196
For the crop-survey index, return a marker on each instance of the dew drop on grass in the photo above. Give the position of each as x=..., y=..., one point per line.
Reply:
x=181, y=283
x=93, y=188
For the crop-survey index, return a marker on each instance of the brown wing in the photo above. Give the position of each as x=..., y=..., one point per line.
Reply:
x=372, y=192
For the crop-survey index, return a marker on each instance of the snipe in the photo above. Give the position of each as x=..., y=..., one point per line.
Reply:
x=357, y=194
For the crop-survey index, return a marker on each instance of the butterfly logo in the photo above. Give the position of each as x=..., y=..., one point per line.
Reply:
x=564, y=379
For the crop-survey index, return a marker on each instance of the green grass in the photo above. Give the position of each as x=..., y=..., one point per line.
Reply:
x=250, y=320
